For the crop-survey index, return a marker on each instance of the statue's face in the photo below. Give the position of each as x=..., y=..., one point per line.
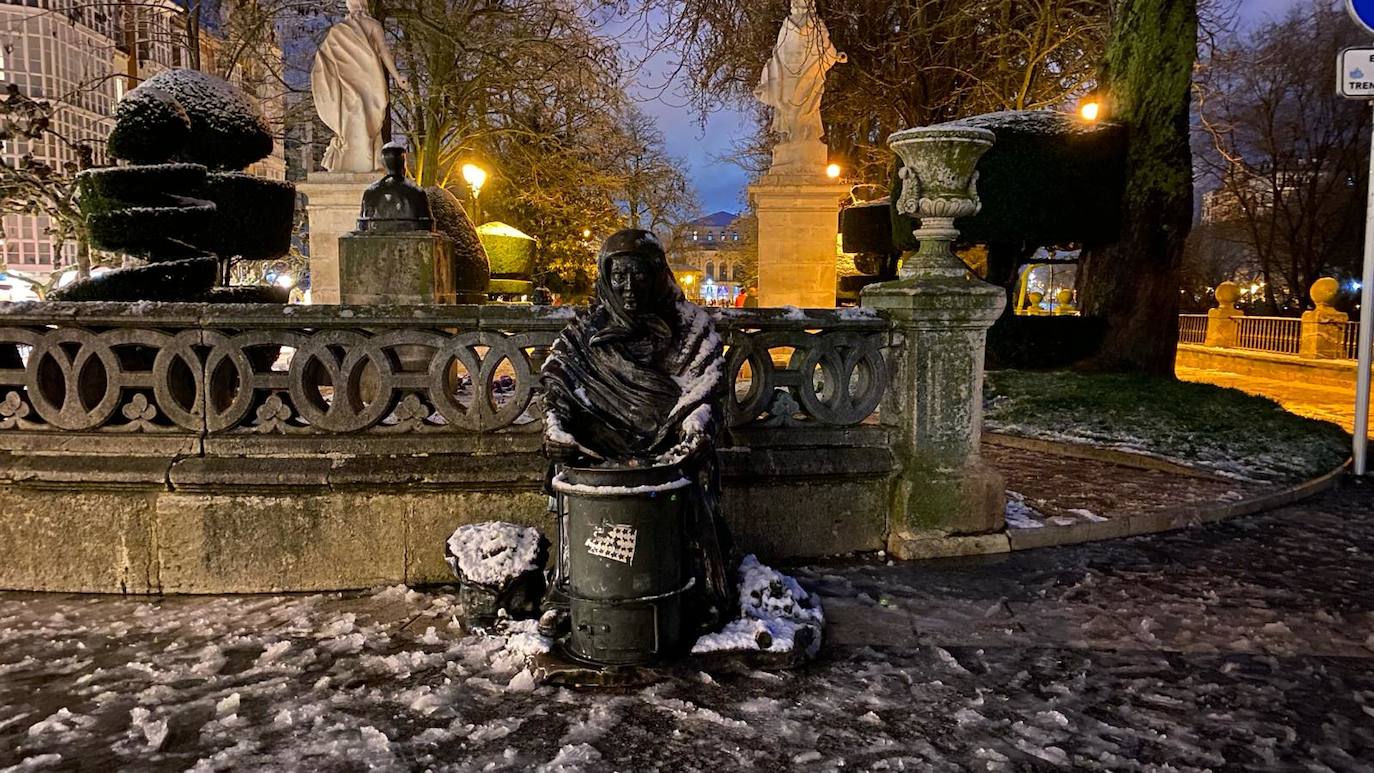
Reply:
x=356, y=6
x=803, y=7
x=632, y=280
x=394, y=161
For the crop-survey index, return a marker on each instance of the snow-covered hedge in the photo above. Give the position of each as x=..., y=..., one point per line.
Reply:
x=227, y=131
x=254, y=216
x=1050, y=178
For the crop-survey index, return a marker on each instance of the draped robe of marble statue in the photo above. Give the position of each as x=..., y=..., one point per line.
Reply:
x=348, y=81
x=638, y=379
x=794, y=78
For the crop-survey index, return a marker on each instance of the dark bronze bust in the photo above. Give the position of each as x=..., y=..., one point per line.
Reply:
x=394, y=204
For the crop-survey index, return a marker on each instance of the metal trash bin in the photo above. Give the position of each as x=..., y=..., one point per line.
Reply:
x=624, y=529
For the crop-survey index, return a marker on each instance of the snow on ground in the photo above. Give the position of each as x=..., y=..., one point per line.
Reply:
x=1019, y=514
x=775, y=611
x=1244, y=646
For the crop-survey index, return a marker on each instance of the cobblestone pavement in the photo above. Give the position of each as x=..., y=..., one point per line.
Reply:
x=1314, y=401
x=1244, y=646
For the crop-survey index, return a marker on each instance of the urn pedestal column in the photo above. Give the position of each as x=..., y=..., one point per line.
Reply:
x=331, y=205
x=942, y=314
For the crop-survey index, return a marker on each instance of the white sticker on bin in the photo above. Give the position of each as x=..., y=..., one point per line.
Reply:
x=615, y=541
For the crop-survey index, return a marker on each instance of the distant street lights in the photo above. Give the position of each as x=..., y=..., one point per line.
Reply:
x=476, y=177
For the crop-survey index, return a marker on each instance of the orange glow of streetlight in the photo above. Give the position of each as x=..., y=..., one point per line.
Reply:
x=1089, y=110
x=833, y=171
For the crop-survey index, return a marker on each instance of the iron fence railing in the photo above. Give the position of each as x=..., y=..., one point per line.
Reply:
x=1192, y=328
x=1352, y=340
x=1270, y=334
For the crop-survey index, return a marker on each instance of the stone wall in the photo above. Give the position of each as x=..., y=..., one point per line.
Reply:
x=185, y=448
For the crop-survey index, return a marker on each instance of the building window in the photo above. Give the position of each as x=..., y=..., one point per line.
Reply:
x=711, y=271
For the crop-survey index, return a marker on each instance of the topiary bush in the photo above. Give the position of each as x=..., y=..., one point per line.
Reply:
x=1050, y=178
x=182, y=206
x=510, y=253
x=471, y=267
x=150, y=127
x=227, y=132
x=254, y=217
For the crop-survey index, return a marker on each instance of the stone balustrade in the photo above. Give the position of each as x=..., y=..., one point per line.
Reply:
x=223, y=379
x=1323, y=333
x=214, y=448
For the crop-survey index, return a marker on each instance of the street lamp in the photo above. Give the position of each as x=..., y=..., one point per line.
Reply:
x=1089, y=110
x=833, y=171
x=476, y=177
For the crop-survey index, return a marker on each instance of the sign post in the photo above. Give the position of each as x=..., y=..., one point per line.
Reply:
x=1355, y=80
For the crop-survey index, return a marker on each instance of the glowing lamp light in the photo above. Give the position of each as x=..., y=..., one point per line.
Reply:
x=832, y=171
x=586, y=233
x=1355, y=285
x=285, y=280
x=1089, y=110
x=475, y=176
x=688, y=279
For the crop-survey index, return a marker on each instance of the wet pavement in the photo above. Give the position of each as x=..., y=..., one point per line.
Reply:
x=1244, y=646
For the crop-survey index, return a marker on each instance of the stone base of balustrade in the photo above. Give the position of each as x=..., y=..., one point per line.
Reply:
x=936, y=511
x=108, y=524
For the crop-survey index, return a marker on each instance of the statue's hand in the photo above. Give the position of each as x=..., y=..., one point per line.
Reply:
x=560, y=453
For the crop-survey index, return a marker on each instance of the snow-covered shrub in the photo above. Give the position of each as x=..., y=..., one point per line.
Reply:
x=254, y=216
x=500, y=566
x=151, y=126
x=227, y=131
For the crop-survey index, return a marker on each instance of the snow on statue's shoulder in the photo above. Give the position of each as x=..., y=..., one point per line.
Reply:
x=493, y=553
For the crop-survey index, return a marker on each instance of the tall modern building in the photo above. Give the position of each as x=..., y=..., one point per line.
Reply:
x=76, y=55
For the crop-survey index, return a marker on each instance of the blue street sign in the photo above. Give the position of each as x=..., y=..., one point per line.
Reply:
x=1362, y=11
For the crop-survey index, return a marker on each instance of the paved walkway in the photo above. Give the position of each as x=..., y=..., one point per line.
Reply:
x=1244, y=646
x=1311, y=400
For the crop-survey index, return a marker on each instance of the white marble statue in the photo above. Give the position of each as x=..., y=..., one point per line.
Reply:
x=348, y=80
x=794, y=78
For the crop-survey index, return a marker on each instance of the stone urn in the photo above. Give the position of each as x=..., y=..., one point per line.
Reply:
x=939, y=185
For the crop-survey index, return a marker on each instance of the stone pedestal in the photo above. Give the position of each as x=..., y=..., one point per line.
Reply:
x=936, y=414
x=799, y=212
x=1323, y=328
x=332, y=201
x=408, y=268
x=1223, y=322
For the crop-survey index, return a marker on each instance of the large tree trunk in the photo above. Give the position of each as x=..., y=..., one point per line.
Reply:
x=1133, y=284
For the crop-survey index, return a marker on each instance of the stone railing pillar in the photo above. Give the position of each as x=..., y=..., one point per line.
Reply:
x=1223, y=322
x=1323, y=328
x=942, y=314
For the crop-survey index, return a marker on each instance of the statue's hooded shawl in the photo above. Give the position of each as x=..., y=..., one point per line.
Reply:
x=622, y=385
x=628, y=387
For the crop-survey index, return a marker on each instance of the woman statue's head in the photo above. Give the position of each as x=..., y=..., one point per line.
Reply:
x=634, y=283
x=356, y=6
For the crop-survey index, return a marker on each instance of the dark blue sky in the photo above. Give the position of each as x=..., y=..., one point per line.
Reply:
x=720, y=184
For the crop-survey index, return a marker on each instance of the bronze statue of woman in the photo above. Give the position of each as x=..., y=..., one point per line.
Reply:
x=637, y=380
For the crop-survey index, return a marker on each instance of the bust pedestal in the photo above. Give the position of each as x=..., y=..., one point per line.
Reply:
x=414, y=267
x=331, y=204
x=799, y=210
